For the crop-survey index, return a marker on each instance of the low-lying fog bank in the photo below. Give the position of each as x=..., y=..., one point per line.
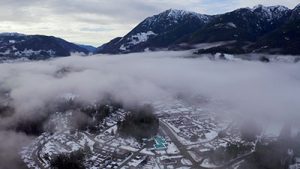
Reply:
x=251, y=89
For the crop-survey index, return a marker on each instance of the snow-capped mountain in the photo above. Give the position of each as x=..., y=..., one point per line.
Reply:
x=272, y=12
x=158, y=31
x=296, y=13
x=243, y=24
x=276, y=30
x=178, y=29
x=285, y=39
x=15, y=45
x=11, y=34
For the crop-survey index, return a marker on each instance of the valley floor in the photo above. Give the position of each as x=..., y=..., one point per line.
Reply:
x=187, y=138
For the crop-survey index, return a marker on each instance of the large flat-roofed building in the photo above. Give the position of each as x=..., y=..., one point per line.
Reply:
x=160, y=143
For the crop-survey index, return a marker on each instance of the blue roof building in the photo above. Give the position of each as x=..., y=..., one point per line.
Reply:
x=160, y=143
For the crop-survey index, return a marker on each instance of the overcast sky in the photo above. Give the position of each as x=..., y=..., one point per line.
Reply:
x=95, y=22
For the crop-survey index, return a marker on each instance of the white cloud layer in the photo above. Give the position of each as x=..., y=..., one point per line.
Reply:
x=268, y=92
x=250, y=87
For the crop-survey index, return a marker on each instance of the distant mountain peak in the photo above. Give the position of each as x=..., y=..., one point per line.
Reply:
x=16, y=45
x=178, y=13
x=11, y=34
x=270, y=12
x=175, y=15
x=270, y=8
x=296, y=13
x=179, y=29
x=157, y=31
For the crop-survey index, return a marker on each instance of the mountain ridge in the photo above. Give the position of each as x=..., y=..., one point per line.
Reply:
x=161, y=30
x=36, y=47
x=172, y=28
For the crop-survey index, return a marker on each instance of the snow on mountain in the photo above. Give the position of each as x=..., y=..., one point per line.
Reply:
x=30, y=52
x=270, y=8
x=11, y=34
x=141, y=37
x=297, y=9
x=270, y=12
x=138, y=38
x=231, y=24
x=157, y=31
x=296, y=13
x=172, y=28
x=16, y=45
x=174, y=15
x=177, y=13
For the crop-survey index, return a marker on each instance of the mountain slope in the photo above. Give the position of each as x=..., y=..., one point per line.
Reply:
x=14, y=45
x=285, y=39
x=282, y=36
x=158, y=31
x=272, y=29
x=242, y=25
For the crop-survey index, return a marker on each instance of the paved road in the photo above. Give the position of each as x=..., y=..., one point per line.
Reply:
x=180, y=146
x=164, y=127
x=36, y=155
x=185, y=153
x=134, y=154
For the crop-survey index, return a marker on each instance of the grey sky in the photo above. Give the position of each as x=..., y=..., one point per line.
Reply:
x=98, y=21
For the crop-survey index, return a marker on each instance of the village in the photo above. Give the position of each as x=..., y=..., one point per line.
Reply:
x=187, y=137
